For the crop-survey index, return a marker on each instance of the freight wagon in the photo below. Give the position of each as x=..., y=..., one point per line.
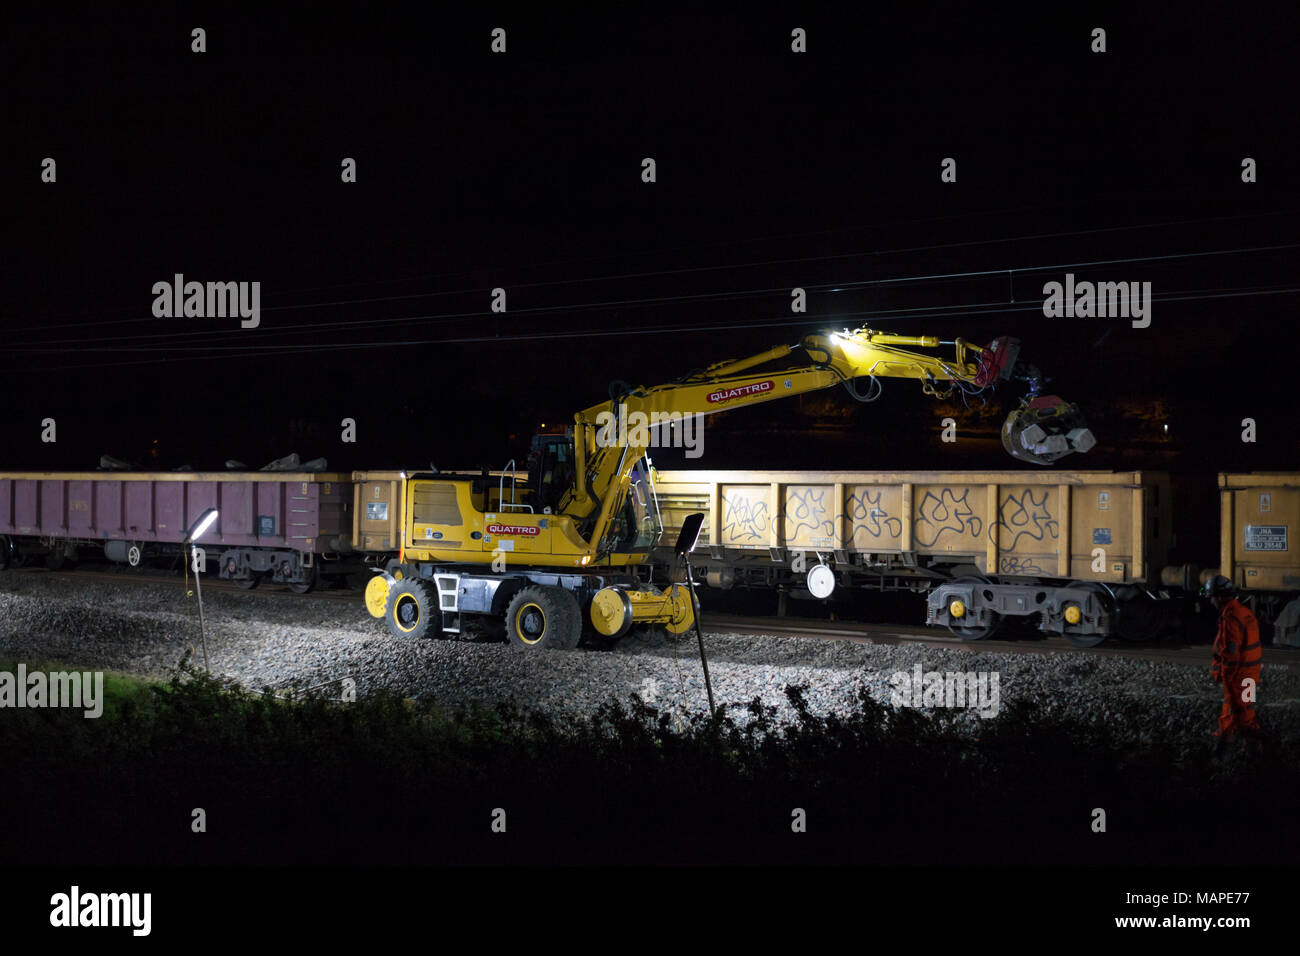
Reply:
x=1074, y=550
x=1257, y=552
x=1079, y=553
x=277, y=526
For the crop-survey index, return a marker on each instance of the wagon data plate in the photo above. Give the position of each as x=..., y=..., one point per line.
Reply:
x=1266, y=537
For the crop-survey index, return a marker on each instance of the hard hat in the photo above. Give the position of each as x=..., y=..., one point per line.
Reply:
x=1218, y=586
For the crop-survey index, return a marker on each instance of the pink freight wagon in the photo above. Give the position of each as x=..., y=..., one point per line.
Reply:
x=271, y=525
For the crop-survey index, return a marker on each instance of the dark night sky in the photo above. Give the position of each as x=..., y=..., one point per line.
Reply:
x=523, y=171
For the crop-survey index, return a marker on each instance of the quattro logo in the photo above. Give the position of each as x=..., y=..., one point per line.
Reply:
x=511, y=529
x=727, y=394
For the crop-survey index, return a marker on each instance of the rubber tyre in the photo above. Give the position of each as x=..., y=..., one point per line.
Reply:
x=540, y=617
x=411, y=613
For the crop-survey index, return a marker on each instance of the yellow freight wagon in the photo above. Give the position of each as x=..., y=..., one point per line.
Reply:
x=1075, y=547
x=1259, y=515
x=377, y=510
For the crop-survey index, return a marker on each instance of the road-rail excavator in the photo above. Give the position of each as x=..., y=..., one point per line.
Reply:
x=551, y=566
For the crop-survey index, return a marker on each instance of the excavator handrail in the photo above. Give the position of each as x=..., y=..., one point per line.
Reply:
x=510, y=470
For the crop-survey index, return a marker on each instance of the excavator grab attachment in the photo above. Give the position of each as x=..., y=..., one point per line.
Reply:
x=1044, y=429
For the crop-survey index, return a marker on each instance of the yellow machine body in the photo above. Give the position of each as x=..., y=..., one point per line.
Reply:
x=615, y=610
x=465, y=536
x=457, y=520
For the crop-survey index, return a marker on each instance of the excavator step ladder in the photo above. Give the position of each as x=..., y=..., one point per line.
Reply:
x=448, y=586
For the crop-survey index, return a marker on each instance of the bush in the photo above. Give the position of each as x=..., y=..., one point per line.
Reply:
x=387, y=780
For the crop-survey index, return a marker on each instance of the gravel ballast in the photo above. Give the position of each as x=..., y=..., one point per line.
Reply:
x=265, y=640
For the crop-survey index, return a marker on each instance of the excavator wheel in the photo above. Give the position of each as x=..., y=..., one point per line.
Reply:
x=543, y=617
x=411, y=612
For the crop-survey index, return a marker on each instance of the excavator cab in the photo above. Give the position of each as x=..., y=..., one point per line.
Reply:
x=642, y=508
x=550, y=467
x=638, y=524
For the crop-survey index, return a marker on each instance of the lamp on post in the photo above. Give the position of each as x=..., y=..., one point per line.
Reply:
x=687, y=538
x=204, y=522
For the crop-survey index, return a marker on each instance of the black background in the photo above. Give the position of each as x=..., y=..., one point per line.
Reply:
x=522, y=171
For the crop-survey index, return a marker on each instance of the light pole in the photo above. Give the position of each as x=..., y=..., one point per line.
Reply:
x=204, y=522
x=687, y=538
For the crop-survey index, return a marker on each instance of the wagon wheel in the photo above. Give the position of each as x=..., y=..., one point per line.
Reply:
x=312, y=579
x=247, y=584
x=975, y=632
x=1107, y=599
x=1141, y=618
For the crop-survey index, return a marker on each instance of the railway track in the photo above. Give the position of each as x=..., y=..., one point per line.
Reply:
x=210, y=583
x=895, y=634
x=855, y=631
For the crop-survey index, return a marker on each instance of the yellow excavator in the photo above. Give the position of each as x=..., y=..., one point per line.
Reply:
x=551, y=564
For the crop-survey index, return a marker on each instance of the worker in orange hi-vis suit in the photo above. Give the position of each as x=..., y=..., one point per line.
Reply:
x=1237, y=654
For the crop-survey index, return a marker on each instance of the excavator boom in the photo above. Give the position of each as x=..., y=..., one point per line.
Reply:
x=469, y=548
x=1042, y=430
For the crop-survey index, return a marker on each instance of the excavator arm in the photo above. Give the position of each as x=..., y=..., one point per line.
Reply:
x=1042, y=430
x=464, y=548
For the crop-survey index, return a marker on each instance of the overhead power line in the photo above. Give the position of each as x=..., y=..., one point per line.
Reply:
x=516, y=287
x=830, y=319
x=571, y=307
